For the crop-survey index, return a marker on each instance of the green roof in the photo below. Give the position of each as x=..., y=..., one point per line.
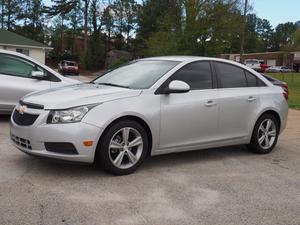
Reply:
x=13, y=39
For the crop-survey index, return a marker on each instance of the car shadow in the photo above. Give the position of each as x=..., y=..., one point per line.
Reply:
x=50, y=167
x=197, y=156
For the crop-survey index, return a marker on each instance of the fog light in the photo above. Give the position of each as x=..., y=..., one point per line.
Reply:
x=88, y=143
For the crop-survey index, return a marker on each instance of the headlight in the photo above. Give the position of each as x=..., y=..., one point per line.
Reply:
x=71, y=115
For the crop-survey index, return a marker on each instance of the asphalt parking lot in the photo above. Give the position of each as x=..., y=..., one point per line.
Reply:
x=214, y=187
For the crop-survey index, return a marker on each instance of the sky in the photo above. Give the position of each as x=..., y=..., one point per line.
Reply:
x=276, y=11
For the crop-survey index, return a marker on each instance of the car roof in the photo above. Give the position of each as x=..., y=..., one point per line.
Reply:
x=189, y=59
x=174, y=58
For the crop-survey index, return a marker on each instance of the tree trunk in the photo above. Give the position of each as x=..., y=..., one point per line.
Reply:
x=8, y=24
x=85, y=28
x=2, y=14
x=243, y=30
x=61, y=34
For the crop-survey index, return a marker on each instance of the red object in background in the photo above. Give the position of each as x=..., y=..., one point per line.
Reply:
x=263, y=67
x=68, y=67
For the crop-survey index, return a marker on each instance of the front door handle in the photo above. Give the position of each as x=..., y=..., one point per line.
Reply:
x=210, y=103
x=251, y=99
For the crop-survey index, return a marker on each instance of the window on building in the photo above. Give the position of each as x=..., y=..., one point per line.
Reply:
x=23, y=51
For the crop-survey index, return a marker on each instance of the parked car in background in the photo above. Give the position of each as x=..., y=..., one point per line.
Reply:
x=68, y=67
x=280, y=83
x=149, y=107
x=263, y=67
x=20, y=75
x=253, y=64
x=278, y=69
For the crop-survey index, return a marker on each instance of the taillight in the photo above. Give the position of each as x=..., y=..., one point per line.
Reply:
x=286, y=95
x=285, y=88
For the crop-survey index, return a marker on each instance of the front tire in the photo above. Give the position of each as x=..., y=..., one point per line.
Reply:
x=265, y=134
x=123, y=147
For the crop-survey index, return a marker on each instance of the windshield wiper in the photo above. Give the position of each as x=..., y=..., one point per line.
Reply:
x=111, y=84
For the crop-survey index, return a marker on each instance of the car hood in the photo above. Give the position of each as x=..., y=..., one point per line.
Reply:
x=67, y=80
x=79, y=94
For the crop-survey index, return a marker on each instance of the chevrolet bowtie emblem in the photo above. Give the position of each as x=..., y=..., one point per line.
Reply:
x=22, y=109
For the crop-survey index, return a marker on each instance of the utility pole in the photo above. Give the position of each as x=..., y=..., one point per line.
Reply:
x=243, y=30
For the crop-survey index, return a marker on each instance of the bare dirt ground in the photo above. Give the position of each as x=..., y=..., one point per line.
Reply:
x=214, y=187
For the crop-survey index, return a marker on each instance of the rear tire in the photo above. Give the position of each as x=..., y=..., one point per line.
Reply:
x=265, y=134
x=123, y=147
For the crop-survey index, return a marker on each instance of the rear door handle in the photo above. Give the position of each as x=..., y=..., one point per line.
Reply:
x=251, y=99
x=210, y=103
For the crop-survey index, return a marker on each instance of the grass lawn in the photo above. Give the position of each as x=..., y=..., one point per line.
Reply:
x=293, y=80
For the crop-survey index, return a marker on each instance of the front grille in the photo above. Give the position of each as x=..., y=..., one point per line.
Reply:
x=31, y=105
x=24, y=119
x=21, y=141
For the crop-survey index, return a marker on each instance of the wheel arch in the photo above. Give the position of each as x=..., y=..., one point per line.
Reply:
x=135, y=118
x=268, y=111
x=275, y=114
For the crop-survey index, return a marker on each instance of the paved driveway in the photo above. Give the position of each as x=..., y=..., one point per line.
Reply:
x=214, y=187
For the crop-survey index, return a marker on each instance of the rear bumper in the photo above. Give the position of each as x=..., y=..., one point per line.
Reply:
x=32, y=139
x=283, y=115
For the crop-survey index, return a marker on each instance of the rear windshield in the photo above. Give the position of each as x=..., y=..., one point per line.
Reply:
x=251, y=62
x=71, y=63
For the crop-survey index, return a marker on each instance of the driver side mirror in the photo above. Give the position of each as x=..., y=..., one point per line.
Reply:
x=38, y=75
x=177, y=86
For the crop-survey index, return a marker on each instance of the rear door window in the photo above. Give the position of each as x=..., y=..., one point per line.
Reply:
x=230, y=76
x=253, y=81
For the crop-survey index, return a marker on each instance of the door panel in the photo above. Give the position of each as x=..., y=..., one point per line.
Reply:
x=12, y=88
x=238, y=108
x=239, y=98
x=189, y=118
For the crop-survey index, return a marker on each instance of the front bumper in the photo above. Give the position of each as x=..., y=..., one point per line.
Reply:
x=31, y=139
x=70, y=71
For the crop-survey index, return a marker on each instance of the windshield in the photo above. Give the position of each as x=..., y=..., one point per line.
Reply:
x=137, y=74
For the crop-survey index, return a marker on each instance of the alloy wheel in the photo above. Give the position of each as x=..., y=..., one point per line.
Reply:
x=125, y=148
x=266, y=134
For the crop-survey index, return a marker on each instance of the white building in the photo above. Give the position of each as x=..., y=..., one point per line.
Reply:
x=15, y=42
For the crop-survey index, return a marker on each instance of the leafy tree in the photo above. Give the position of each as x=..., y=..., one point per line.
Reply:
x=32, y=17
x=10, y=11
x=125, y=14
x=282, y=35
x=95, y=55
x=294, y=44
x=264, y=31
x=64, y=7
x=107, y=21
x=203, y=27
x=149, y=15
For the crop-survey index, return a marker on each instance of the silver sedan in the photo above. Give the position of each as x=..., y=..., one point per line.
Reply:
x=20, y=75
x=149, y=107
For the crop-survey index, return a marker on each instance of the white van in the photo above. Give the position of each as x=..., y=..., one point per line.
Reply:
x=253, y=64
